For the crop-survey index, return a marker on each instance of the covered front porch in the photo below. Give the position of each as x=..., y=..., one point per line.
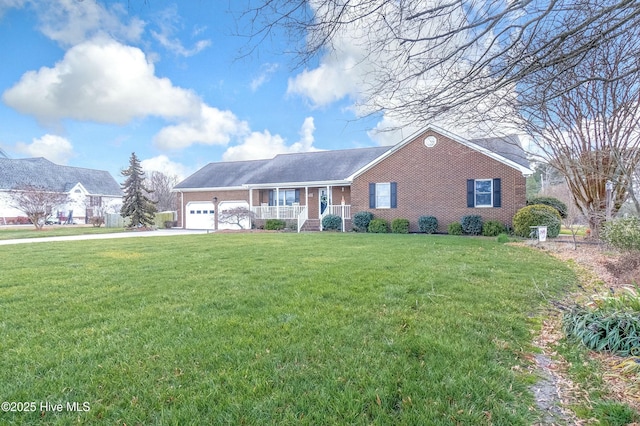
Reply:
x=301, y=204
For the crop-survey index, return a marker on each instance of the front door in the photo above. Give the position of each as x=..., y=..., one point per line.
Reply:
x=323, y=199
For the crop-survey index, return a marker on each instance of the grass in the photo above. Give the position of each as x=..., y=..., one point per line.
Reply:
x=273, y=329
x=14, y=232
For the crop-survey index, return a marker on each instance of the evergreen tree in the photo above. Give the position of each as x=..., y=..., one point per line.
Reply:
x=135, y=204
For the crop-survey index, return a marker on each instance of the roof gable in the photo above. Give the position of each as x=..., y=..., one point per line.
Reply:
x=40, y=172
x=506, y=150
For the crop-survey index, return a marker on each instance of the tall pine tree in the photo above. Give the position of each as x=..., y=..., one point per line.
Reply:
x=135, y=204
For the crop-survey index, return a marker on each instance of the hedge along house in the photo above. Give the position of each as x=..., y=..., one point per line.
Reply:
x=90, y=192
x=433, y=172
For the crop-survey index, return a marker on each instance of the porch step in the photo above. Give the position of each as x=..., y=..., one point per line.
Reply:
x=311, y=225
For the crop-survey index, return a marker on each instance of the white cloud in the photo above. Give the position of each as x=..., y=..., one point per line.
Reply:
x=260, y=145
x=210, y=127
x=100, y=80
x=335, y=78
x=390, y=130
x=71, y=22
x=54, y=148
x=163, y=164
x=266, y=72
x=169, y=22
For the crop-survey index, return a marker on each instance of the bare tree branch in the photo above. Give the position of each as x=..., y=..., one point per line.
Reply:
x=37, y=203
x=424, y=59
x=590, y=132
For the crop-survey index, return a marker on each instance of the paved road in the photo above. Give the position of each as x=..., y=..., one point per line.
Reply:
x=158, y=233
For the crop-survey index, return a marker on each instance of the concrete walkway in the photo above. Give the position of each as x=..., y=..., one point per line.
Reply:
x=132, y=234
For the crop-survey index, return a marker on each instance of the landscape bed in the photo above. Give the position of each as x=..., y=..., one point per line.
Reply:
x=273, y=328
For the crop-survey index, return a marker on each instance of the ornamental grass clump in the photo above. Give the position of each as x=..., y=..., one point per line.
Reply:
x=608, y=324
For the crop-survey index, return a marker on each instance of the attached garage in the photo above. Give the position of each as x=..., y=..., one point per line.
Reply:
x=199, y=215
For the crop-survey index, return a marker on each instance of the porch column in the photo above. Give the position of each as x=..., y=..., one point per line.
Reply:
x=277, y=203
x=250, y=207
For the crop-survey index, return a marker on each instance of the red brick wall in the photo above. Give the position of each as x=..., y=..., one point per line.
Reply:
x=433, y=181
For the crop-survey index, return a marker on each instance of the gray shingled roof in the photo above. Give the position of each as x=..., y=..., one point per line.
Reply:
x=509, y=147
x=318, y=166
x=223, y=175
x=18, y=173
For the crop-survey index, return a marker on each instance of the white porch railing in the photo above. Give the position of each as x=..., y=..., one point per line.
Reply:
x=342, y=210
x=277, y=212
x=302, y=218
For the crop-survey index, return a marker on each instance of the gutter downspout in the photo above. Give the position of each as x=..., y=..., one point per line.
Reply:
x=182, y=221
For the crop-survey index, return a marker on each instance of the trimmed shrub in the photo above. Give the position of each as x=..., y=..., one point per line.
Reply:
x=503, y=238
x=361, y=221
x=400, y=226
x=493, y=228
x=550, y=201
x=378, y=226
x=454, y=228
x=428, y=224
x=331, y=222
x=97, y=221
x=623, y=233
x=536, y=215
x=274, y=224
x=471, y=224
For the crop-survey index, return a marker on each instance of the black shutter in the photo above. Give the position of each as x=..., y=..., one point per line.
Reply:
x=394, y=195
x=497, y=196
x=297, y=200
x=272, y=194
x=471, y=192
x=372, y=195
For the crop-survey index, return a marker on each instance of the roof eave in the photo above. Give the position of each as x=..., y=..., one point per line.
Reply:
x=339, y=182
x=209, y=188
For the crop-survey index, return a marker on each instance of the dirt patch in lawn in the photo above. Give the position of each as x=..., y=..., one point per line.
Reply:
x=600, y=271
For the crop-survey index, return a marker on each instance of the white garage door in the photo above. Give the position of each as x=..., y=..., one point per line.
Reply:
x=229, y=221
x=199, y=215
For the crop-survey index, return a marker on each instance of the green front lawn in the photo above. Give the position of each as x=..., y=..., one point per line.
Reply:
x=273, y=328
x=13, y=232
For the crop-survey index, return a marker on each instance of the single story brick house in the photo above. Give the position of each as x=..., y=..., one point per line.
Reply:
x=433, y=172
x=91, y=192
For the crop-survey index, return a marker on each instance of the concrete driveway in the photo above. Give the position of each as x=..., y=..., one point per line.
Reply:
x=133, y=234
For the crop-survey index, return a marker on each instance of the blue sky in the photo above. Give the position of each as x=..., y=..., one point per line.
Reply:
x=85, y=83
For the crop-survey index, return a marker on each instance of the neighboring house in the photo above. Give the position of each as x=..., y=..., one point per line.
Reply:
x=91, y=192
x=434, y=172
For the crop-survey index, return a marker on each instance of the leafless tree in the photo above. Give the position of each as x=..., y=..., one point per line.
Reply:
x=425, y=59
x=235, y=216
x=590, y=132
x=161, y=184
x=37, y=203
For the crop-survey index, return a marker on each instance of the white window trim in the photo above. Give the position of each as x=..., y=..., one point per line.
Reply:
x=475, y=194
x=388, y=184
